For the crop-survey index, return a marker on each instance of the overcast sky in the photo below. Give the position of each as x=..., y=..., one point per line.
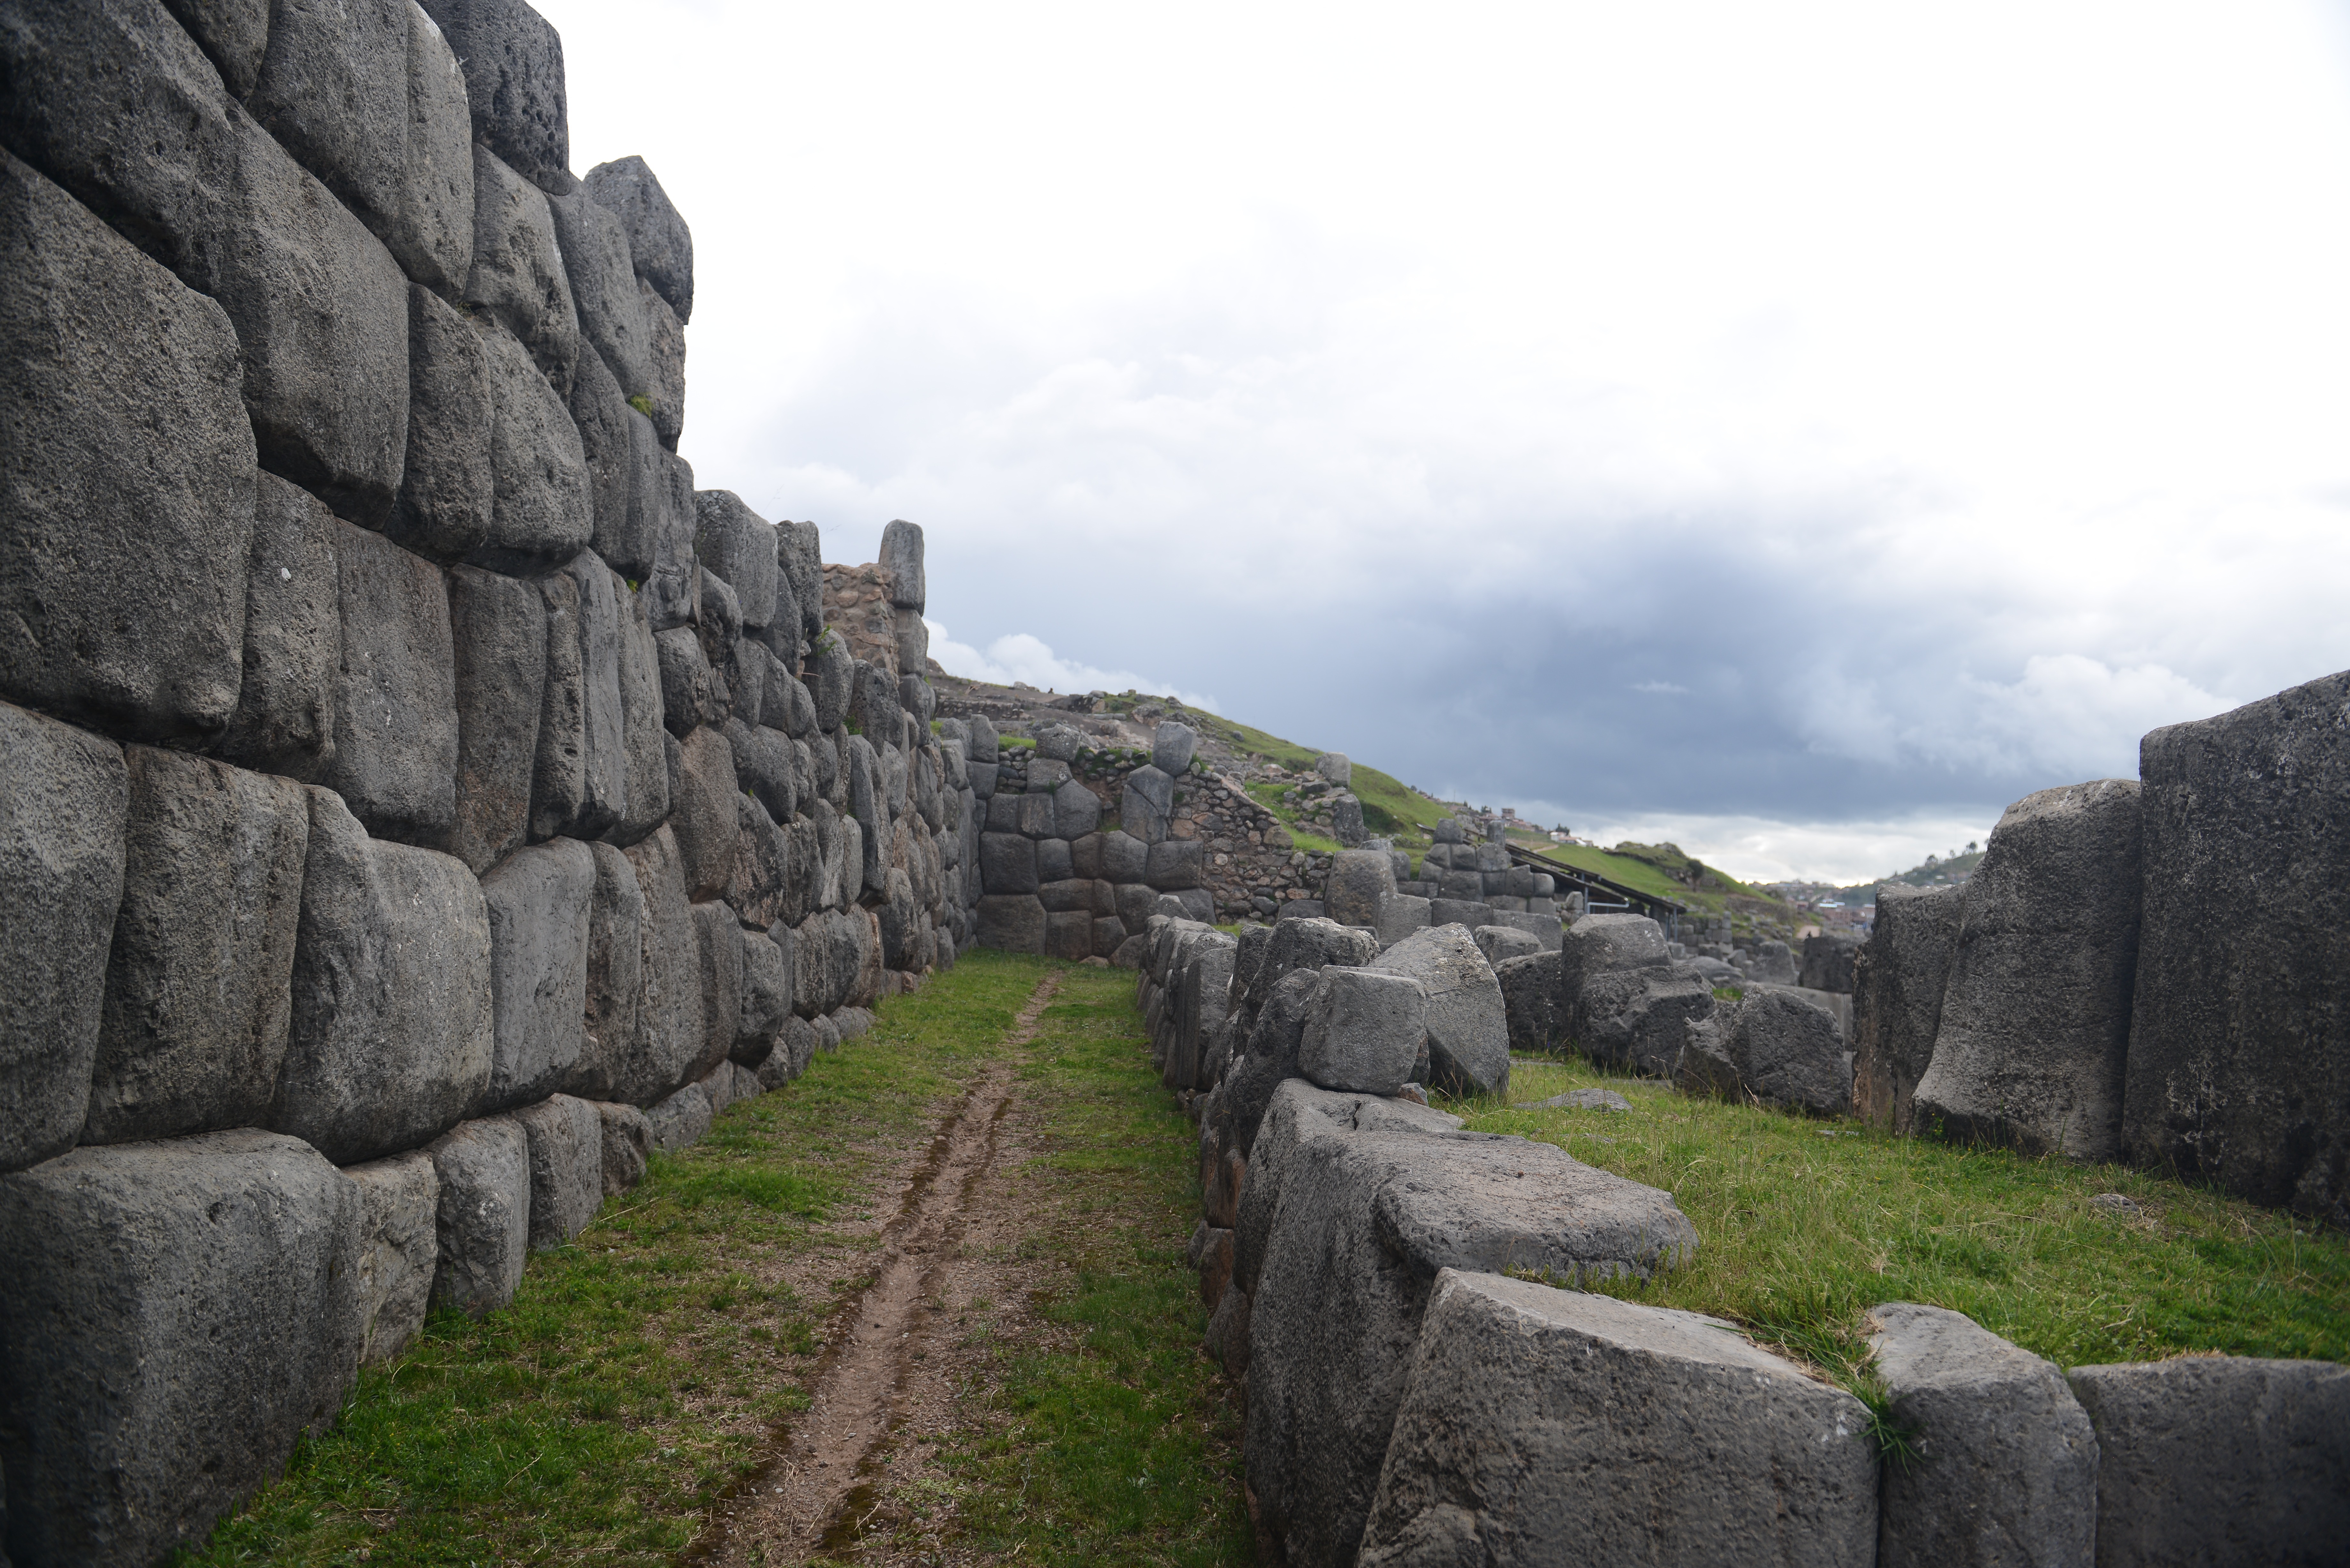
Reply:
x=1795, y=430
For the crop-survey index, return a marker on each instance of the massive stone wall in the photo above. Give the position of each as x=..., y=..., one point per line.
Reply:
x=419, y=800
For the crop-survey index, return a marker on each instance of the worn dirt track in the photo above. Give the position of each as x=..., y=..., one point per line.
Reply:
x=816, y=1496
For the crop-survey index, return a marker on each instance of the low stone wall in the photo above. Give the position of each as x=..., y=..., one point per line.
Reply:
x=420, y=802
x=1392, y=1299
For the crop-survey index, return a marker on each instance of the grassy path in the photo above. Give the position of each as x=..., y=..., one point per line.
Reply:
x=645, y=1371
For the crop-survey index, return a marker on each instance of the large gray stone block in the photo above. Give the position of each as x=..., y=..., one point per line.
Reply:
x=395, y=701
x=1176, y=864
x=680, y=1120
x=901, y=557
x=1307, y=944
x=761, y=869
x=1076, y=810
x=564, y=1142
x=604, y=288
x=627, y=1141
x=616, y=917
x=1827, y=962
x=831, y=675
x=1529, y=1000
x=517, y=278
x=770, y=964
x=1172, y=744
x=1534, y=1416
x=114, y=102
x=433, y=237
x=825, y=956
x=765, y=765
x=514, y=83
x=665, y=344
x=738, y=544
x=1361, y=883
x=1013, y=922
x=538, y=901
x=543, y=502
x=799, y=557
x=1352, y=1206
x=484, y=1214
x=659, y=243
x=2240, y=1044
x=233, y=34
x=498, y=627
x=2212, y=1460
x=1146, y=805
x=392, y=1039
x=197, y=985
x=1776, y=1047
x=398, y=1249
x=1620, y=999
x=285, y=721
x=579, y=786
x=1467, y=1023
x=1501, y=943
x=615, y=477
x=644, y=745
x=1898, y=979
x=2034, y=1031
x=720, y=944
x=123, y=555
x=1265, y=1059
x=703, y=816
x=2006, y=1463
x=668, y=1037
x=64, y=799
x=1367, y=1029
x=448, y=487
x=179, y=1314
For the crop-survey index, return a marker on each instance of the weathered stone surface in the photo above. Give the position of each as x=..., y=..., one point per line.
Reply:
x=627, y=1139
x=1776, y=1047
x=1584, y=1100
x=1146, y=805
x=616, y=479
x=1176, y=864
x=538, y=901
x=1361, y=882
x=497, y=629
x=392, y=1039
x=1534, y=1416
x=688, y=698
x=399, y=1248
x=565, y=1146
x=738, y=544
x=543, y=501
x=126, y=475
x=681, y=1119
x=448, y=487
x=616, y=914
x=768, y=981
x=395, y=701
x=1619, y=998
x=644, y=766
x=765, y=765
x=1076, y=810
x=795, y=1047
x=514, y=83
x=1898, y=981
x=433, y=238
x=721, y=943
x=665, y=341
x=1467, y=1021
x=1500, y=943
x=1307, y=944
x=2240, y=1044
x=1171, y=747
x=178, y=1314
x=1827, y=962
x=1347, y=819
x=799, y=558
x=826, y=955
x=658, y=240
x=1013, y=922
x=604, y=287
x=668, y=1036
x=1352, y=1206
x=2006, y=1465
x=702, y=816
x=761, y=865
x=116, y=103
x=830, y=673
x=1529, y=1000
x=64, y=799
x=484, y=1214
x=233, y=34
x=196, y=1010
x=1368, y=1029
x=579, y=786
x=2221, y=1458
x=293, y=637
x=2035, y=1019
x=517, y=278
x=1335, y=767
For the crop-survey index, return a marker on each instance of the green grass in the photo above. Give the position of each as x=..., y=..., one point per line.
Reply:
x=1800, y=1234
x=635, y=1375
x=1122, y=1448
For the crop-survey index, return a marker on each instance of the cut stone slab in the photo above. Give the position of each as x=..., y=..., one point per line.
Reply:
x=1172, y=744
x=738, y=544
x=703, y=816
x=615, y=917
x=1581, y=1100
x=663, y=248
x=565, y=1139
x=484, y=1214
x=517, y=278
x=665, y=337
x=392, y=1038
x=538, y=900
x=197, y=985
x=123, y=561
x=1176, y=865
x=333, y=91
x=399, y=1248
x=1620, y=999
x=1147, y=803
x=579, y=786
x=2217, y=1458
x=719, y=936
x=233, y=34
x=1775, y=1047
x=1534, y=1416
x=512, y=58
x=433, y=238
x=604, y=288
x=497, y=626
x=1361, y=883
x=2036, y=1021
x=1898, y=981
x=2006, y=1467
x=1529, y=1000
x=64, y=799
x=448, y=487
x=395, y=701
x=543, y=497
x=668, y=1036
x=1467, y=1023
x=1500, y=943
x=1827, y=962
x=1367, y=1029
x=284, y=722
x=2240, y=1041
x=180, y=1313
x=1013, y=922
x=1307, y=944
x=1352, y=1205
x=644, y=752
x=627, y=1139
x=680, y=1120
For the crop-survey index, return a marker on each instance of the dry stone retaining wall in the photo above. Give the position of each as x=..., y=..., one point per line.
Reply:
x=419, y=800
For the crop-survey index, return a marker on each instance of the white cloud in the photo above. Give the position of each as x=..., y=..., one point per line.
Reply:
x=1660, y=688
x=1021, y=658
x=1760, y=849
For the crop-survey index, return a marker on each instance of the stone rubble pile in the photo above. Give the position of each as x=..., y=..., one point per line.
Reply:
x=421, y=803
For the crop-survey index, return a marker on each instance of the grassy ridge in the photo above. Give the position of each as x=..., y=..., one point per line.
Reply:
x=1800, y=1234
